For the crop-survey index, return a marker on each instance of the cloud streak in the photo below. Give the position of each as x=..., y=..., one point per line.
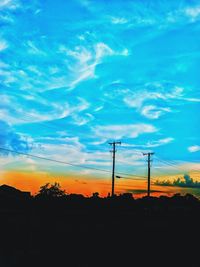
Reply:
x=157, y=93
x=3, y=45
x=193, y=149
x=11, y=140
x=9, y=4
x=151, y=144
x=120, y=131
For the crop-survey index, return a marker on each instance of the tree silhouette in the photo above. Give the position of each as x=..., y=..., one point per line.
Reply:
x=95, y=195
x=51, y=190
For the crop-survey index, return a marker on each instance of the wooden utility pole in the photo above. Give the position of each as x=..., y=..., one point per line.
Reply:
x=149, y=171
x=113, y=144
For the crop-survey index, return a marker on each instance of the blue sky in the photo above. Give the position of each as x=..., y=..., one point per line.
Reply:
x=77, y=74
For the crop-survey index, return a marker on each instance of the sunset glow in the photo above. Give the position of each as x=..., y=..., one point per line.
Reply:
x=76, y=75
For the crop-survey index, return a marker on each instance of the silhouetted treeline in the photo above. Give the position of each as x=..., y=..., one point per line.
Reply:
x=58, y=229
x=52, y=196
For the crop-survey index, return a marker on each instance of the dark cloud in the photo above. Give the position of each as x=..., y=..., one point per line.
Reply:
x=143, y=191
x=12, y=140
x=188, y=182
x=81, y=182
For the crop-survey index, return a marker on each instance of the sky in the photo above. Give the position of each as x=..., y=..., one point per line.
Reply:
x=75, y=75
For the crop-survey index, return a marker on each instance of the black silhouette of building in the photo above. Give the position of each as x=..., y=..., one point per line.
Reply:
x=7, y=191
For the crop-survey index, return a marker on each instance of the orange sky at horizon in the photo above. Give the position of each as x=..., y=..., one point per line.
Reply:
x=86, y=185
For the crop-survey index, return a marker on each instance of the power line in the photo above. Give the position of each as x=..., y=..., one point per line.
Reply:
x=61, y=162
x=136, y=151
x=157, y=171
x=184, y=162
x=44, y=123
x=168, y=163
x=52, y=160
x=31, y=116
x=55, y=126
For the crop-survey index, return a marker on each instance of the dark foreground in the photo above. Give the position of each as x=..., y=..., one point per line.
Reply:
x=100, y=232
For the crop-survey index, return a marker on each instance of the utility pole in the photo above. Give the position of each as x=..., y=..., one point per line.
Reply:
x=149, y=170
x=113, y=144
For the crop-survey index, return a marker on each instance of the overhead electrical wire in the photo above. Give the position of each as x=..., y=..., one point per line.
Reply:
x=169, y=163
x=64, y=162
x=44, y=123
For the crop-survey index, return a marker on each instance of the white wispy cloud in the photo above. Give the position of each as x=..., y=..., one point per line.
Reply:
x=70, y=150
x=42, y=110
x=160, y=142
x=190, y=99
x=82, y=105
x=183, y=15
x=34, y=69
x=3, y=45
x=151, y=144
x=130, y=157
x=102, y=50
x=85, y=59
x=149, y=111
x=5, y=18
x=81, y=119
x=194, y=148
x=98, y=108
x=37, y=11
x=125, y=52
x=76, y=153
x=137, y=99
x=53, y=69
x=33, y=49
x=118, y=20
x=193, y=12
x=65, y=140
x=3, y=65
x=9, y=4
x=140, y=98
x=153, y=112
x=99, y=142
x=120, y=131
